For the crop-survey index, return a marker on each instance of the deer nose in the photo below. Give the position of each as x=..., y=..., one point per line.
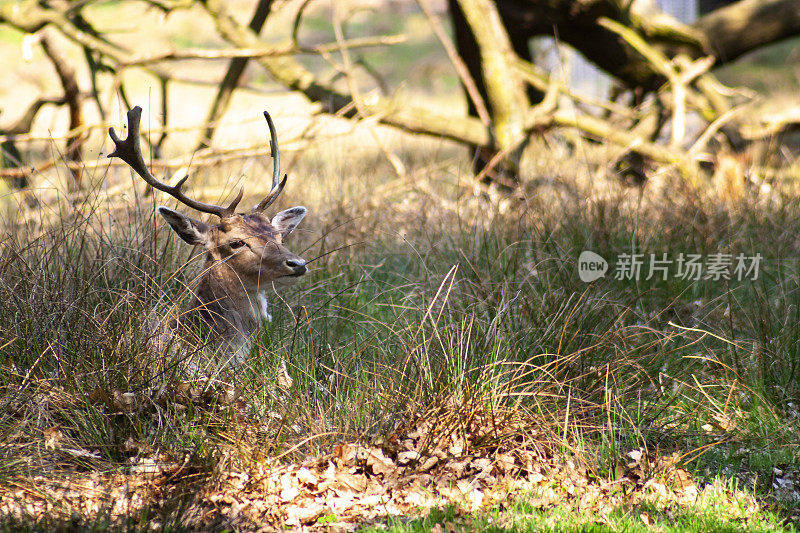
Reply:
x=298, y=265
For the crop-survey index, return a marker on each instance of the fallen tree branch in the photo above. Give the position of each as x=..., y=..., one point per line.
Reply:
x=670, y=70
x=748, y=24
x=602, y=130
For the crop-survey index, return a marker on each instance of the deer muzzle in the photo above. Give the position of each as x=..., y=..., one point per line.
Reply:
x=297, y=265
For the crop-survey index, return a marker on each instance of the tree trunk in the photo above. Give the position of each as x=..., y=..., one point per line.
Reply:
x=707, y=6
x=744, y=26
x=729, y=32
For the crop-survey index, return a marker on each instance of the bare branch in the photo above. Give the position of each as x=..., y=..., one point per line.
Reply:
x=458, y=63
x=231, y=79
x=25, y=122
x=291, y=74
x=284, y=49
x=601, y=129
x=748, y=24
x=72, y=96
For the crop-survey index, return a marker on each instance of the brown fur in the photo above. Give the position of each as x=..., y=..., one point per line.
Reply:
x=245, y=254
x=245, y=257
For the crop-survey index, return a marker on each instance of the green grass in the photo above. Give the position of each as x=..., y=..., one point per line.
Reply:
x=458, y=308
x=435, y=301
x=435, y=296
x=521, y=516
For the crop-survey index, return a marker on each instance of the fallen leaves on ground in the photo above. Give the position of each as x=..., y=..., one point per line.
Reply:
x=471, y=465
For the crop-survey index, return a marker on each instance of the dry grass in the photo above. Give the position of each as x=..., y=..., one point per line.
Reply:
x=434, y=303
x=440, y=304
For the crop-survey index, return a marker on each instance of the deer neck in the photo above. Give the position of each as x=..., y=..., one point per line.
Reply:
x=224, y=302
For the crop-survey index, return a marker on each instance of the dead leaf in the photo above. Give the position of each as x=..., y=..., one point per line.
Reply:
x=429, y=463
x=506, y=463
x=346, y=454
x=52, y=437
x=284, y=380
x=289, y=493
x=475, y=500
x=379, y=463
x=682, y=478
x=98, y=395
x=227, y=395
x=634, y=455
x=458, y=446
x=134, y=446
x=123, y=401
x=304, y=513
x=403, y=458
x=356, y=482
x=305, y=476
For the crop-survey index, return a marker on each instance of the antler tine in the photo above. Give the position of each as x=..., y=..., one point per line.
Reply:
x=275, y=152
x=130, y=151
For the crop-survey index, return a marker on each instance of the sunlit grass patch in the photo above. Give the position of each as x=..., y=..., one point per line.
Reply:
x=521, y=516
x=428, y=305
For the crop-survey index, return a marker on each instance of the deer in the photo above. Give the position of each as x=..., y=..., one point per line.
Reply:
x=244, y=252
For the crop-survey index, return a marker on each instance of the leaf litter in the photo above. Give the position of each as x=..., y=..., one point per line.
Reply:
x=474, y=461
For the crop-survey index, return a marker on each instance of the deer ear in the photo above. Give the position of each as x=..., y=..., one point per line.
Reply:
x=188, y=229
x=287, y=220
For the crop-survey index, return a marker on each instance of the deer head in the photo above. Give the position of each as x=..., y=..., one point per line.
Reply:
x=249, y=245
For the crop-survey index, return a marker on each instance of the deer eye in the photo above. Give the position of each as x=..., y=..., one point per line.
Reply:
x=236, y=244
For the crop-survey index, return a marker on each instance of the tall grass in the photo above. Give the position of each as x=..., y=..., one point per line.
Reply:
x=446, y=306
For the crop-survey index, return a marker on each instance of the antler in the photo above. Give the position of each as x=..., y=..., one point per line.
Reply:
x=276, y=189
x=130, y=151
